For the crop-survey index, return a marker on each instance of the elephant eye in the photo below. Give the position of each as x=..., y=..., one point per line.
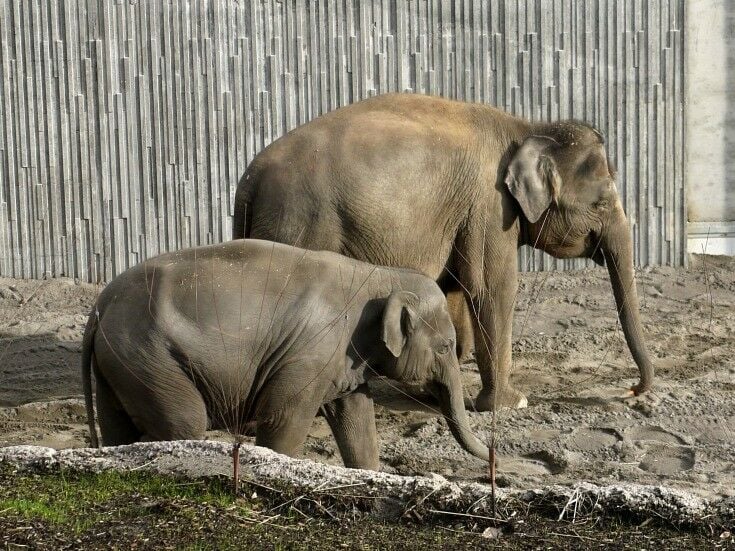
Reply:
x=601, y=204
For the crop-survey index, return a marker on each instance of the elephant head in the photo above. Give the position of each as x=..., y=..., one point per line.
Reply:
x=564, y=184
x=420, y=339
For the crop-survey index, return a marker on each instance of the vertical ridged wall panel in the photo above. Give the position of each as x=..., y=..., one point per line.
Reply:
x=125, y=125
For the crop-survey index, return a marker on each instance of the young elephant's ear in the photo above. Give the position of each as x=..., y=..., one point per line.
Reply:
x=399, y=320
x=532, y=176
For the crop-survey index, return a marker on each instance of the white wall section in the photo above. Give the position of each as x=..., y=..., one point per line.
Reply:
x=710, y=125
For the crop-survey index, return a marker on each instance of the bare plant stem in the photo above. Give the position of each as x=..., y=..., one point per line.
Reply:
x=236, y=468
x=492, y=471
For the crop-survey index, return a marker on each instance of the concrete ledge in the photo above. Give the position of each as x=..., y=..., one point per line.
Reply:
x=711, y=238
x=380, y=492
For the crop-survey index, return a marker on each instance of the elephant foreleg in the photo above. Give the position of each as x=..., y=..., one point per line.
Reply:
x=352, y=420
x=493, y=324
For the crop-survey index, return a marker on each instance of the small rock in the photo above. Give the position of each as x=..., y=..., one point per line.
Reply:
x=70, y=346
x=653, y=290
x=491, y=533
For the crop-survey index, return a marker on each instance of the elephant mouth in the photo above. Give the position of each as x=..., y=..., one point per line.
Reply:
x=594, y=250
x=414, y=388
x=598, y=257
x=417, y=387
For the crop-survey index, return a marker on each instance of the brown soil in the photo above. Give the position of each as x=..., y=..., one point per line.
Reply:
x=570, y=359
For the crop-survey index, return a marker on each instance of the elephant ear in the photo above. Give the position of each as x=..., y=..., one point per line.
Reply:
x=532, y=176
x=399, y=320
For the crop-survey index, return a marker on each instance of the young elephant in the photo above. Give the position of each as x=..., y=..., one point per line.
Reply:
x=220, y=336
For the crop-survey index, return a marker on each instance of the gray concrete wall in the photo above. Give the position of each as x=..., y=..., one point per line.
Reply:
x=710, y=125
x=125, y=126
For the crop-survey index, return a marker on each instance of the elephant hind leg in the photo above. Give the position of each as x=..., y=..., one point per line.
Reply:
x=142, y=407
x=116, y=426
x=174, y=413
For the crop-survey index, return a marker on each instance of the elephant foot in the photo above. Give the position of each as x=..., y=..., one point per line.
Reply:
x=640, y=388
x=508, y=398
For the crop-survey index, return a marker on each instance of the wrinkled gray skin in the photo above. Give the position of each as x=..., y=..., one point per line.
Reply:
x=221, y=336
x=450, y=189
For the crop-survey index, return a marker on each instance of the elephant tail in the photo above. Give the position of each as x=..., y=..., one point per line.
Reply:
x=87, y=359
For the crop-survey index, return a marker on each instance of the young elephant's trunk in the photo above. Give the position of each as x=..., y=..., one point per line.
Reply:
x=452, y=404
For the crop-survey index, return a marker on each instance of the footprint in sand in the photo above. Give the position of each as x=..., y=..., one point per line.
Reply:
x=653, y=434
x=541, y=462
x=592, y=439
x=667, y=459
x=665, y=453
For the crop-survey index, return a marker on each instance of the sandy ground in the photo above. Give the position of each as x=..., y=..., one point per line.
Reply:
x=571, y=360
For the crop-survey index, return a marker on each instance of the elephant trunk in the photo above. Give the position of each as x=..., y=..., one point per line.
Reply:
x=451, y=398
x=618, y=248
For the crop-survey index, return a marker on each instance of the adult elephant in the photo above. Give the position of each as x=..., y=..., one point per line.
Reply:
x=451, y=189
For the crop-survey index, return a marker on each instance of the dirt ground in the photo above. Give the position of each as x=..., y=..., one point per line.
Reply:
x=570, y=358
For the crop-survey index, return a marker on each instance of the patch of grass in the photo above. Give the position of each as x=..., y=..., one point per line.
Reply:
x=72, y=500
x=33, y=508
